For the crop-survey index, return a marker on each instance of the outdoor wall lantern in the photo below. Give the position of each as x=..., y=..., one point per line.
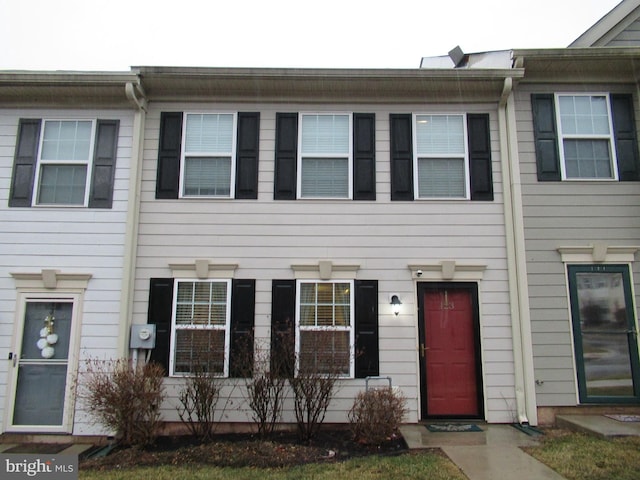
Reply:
x=395, y=304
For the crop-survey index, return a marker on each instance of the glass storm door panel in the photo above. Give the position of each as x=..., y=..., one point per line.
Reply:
x=42, y=365
x=604, y=333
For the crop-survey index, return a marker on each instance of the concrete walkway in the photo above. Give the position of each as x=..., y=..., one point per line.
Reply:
x=491, y=454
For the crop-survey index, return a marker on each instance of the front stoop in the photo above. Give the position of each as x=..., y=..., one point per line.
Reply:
x=598, y=425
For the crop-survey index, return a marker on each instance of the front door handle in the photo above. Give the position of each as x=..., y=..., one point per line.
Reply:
x=423, y=350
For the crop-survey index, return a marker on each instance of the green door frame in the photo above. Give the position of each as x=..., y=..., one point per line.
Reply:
x=632, y=337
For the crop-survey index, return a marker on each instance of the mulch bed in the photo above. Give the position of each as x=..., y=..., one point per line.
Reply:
x=242, y=450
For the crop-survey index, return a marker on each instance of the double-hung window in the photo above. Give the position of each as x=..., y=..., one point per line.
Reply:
x=208, y=155
x=441, y=159
x=201, y=327
x=586, y=137
x=64, y=162
x=325, y=333
x=325, y=155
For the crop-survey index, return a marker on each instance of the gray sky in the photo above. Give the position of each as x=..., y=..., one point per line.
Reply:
x=118, y=34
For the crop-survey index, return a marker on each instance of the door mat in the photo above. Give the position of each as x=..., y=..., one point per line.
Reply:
x=38, y=448
x=625, y=418
x=453, y=427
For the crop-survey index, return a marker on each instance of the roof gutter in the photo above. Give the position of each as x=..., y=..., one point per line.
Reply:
x=517, y=274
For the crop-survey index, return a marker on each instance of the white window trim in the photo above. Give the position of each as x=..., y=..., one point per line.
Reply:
x=183, y=155
x=174, y=326
x=40, y=163
x=562, y=137
x=335, y=155
x=414, y=140
x=350, y=328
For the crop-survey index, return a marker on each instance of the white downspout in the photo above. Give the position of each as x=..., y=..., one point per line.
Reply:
x=135, y=95
x=516, y=261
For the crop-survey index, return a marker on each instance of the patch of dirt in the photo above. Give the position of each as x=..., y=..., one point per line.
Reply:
x=241, y=450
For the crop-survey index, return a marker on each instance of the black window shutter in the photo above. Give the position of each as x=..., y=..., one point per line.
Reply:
x=104, y=164
x=401, y=157
x=283, y=309
x=243, y=301
x=168, y=174
x=364, y=156
x=159, y=313
x=481, y=178
x=24, y=164
x=546, y=137
x=285, y=180
x=624, y=127
x=247, y=155
x=366, y=325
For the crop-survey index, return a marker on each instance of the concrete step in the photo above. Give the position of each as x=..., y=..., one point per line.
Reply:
x=598, y=425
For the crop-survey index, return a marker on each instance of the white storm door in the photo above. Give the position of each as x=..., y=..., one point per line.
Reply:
x=41, y=366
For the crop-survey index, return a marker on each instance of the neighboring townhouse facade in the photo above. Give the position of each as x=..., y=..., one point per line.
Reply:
x=577, y=116
x=284, y=209
x=68, y=155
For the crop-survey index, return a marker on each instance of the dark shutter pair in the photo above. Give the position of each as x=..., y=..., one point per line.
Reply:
x=547, y=141
x=364, y=156
x=169, y=149
x=26, y=159
x=283, y=306
x=241, y=329
x=479, y=144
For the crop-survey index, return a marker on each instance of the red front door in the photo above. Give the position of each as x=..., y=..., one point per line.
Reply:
x=449, y=353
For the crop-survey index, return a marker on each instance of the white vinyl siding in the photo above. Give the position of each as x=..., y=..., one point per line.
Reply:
x=208, y=155
x=64, y=162
x=200, y=333
x=441, y=158
x=69, y=240
x=585, y=134
x=325, y=152
x=324, y=333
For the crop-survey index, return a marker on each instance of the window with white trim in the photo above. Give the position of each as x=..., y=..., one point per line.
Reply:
x=64, y=162
x=200, y=327
x=441, y=160
x=208, y=155
x=586, y=137
x=325, y=333
x=325, y=153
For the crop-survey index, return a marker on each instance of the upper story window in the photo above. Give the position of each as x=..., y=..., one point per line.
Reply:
x=440, y=156
x=325, y=156
x=441, y=160
x=208, y=155
x=64, y=163
x=585, y=137
x=586, y=133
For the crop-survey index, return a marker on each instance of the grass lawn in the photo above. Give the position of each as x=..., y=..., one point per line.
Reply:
x=418, y=465
x=583, y=457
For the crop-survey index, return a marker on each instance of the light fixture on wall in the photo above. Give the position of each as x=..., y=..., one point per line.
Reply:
x=395, y=302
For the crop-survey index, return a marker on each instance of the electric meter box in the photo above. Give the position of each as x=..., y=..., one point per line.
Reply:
x=143, y=336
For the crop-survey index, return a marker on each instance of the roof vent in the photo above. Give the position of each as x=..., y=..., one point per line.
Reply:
x=457, y=55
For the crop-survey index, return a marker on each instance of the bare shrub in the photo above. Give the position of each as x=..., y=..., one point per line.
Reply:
x=198, y=401
x=266, y=392
x=124, y=398
x=320, y=362
x=376, y=415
